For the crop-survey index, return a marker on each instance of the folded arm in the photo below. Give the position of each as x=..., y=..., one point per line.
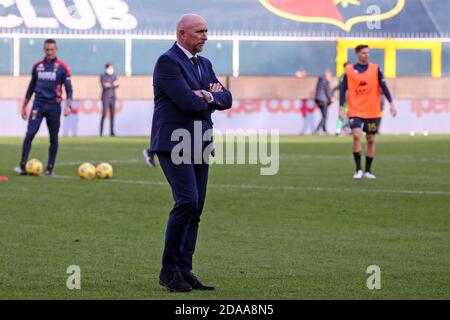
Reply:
x=222, y=100
x=170, y=79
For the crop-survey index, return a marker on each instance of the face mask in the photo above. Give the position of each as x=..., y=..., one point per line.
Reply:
x=110, y=71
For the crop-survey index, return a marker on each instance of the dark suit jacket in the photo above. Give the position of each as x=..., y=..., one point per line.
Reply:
x=323, y=91
x=108, y=93
x=176, y=106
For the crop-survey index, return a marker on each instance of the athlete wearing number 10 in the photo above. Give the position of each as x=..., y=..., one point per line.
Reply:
x=363, y=82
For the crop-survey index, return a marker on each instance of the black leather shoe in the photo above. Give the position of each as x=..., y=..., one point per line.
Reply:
x=23, y=170
x=174, y=281
x=195, y=283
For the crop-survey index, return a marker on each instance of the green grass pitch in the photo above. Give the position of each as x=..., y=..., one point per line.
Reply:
x=309, y=232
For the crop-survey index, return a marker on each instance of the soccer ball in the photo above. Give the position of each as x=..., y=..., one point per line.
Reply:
x=34, y=167
x=86, y=171
x=104, y=171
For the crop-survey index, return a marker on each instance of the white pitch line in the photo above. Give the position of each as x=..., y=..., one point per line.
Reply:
x=282, y=157
x=277, y=188
x=382, y=158
x=76, y=163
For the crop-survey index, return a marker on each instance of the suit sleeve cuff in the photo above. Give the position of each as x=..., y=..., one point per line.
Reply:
x=210, y=95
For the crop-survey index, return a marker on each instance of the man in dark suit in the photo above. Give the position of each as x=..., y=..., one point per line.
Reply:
x=324, y=99
x=110, y=83
x=186, y=93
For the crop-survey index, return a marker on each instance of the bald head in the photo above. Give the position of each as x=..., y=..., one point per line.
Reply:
x=188, y=20
x=192, y=32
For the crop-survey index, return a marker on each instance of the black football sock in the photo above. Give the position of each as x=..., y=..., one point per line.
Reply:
x=368, y=163
x=357, y=156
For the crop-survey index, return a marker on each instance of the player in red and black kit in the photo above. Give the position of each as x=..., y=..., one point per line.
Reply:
x=48, y=77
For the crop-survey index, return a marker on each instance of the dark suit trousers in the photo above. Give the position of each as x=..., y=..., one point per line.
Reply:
x=323, y=107
x=188, y=183
x=108, y=104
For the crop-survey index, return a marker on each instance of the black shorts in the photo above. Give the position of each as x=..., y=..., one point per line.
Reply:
x=369, y=126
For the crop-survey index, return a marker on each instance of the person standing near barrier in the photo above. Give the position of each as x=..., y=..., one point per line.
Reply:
x=109, y=84
x=323, y=99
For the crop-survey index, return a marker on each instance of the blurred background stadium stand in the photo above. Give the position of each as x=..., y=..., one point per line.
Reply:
x=255, y=49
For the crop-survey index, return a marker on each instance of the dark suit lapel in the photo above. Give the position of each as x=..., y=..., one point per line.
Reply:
x=203, y=70
x=187, y=62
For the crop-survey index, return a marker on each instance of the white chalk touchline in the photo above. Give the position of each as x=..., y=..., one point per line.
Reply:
x=277, y=188
x=282, y=157
x=383, y=158
x=76, y=163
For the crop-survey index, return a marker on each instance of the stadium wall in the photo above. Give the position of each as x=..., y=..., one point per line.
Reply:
x=281, y=103
x=289, y=116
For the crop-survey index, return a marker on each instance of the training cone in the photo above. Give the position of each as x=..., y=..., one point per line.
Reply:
x=3, y=179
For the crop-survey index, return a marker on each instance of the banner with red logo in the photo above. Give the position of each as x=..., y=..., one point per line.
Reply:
x=224, y=16
x=290, y=117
